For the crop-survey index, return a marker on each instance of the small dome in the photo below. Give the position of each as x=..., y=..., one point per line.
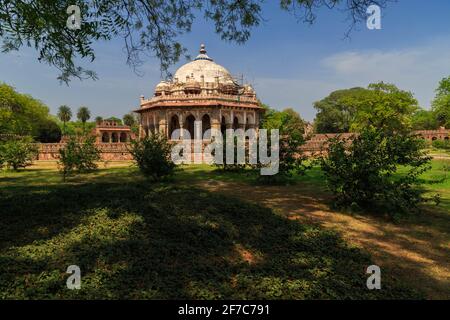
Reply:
x=162, y=86
x=204, y=66
x=249, y=88
x=248, y=91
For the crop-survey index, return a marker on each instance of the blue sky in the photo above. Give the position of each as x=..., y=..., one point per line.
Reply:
x=290, y=64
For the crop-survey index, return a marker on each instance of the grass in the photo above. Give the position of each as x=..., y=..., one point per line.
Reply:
x=172, y=240
x=416, y=248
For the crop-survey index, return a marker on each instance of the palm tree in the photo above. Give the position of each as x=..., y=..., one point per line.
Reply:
x=83, y=115
x=129, y=120
x=64, y=114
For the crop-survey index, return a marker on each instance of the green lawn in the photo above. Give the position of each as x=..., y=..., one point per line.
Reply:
x=435, y=181
x=133, y=239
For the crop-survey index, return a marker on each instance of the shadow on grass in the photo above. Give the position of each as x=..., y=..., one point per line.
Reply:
x=416, y=250
x=135, y=240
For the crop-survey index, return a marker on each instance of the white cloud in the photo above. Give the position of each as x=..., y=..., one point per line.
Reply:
x=417, y=69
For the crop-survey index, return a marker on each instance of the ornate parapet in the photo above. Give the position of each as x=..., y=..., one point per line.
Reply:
x=189, y=100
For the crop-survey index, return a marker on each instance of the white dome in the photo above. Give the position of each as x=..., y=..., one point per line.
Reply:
x=203, y=66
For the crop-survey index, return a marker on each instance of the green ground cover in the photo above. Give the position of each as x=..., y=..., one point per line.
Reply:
x=133, y=239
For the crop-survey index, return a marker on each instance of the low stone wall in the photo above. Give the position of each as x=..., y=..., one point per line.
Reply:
x=108, y=151
x=318, y=142
x=314, y=146
x=431, y=135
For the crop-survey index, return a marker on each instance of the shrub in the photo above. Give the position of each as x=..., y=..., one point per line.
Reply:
x=232, y=167
x=18, y=152
x=78, y=156
x=48, y=132
x=364, y=174
x=291, y=160
x=441, y=144
x=153, y=156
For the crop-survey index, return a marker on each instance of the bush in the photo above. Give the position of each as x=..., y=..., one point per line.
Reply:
x=153, y=156
x=232, y=167
x=364, y=174
x=441, y=144
x=48, y=131
x=291, y=160
x=18, y=153
x=78, y=156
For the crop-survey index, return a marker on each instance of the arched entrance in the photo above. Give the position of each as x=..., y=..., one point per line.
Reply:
x=173, y=125
x=114, y=137
x=123, y=137
x=223, y=125
x=235, y=123
x=105, y=137
x=206, y=125
x=189, y=125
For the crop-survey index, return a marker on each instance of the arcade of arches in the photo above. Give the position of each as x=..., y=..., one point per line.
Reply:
x=167, y=121
x=112, y=132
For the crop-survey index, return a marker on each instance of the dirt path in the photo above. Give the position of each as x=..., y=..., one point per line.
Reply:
x=418, y=253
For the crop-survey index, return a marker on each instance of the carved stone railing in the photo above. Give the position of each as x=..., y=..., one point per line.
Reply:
x=193, y=98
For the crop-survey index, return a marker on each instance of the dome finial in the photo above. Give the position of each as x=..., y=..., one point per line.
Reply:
x=202, y=49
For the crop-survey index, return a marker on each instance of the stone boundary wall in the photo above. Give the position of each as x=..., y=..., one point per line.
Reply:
x=318, y=142
x=108, y=151
x=314, y=146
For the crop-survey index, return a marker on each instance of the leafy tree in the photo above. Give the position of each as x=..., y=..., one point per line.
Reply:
x=78, y=156
x=115, y=119
x=291, y=130
x=153, y=156
x=336, y=113
x=381, y=105
x=386, y=108
x=20, y=114
x=146, y=27
x=424, y=120
x=444, y=87
x=48, y=132
x=77, y=128
x=83, y=115
x=441, y=103
x=363, y=173
x=18, y=153
x=64, y=114
x=98, y=119
x=129, y=120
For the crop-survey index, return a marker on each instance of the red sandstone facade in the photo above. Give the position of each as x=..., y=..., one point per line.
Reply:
x=112, y=139
x=112, y=132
